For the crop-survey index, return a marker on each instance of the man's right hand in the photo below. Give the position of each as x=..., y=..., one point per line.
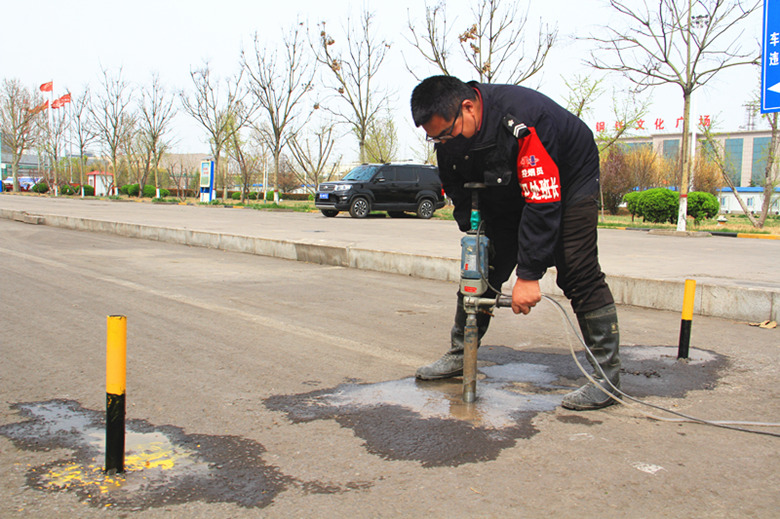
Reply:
x=525, y=295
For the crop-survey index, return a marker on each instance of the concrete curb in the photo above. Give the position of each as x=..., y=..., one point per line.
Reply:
x=730, y=302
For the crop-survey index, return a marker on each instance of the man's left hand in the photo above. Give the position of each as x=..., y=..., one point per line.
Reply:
x=525, y=295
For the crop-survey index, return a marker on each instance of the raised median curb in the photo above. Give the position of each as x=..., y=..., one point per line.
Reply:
x=717, y=300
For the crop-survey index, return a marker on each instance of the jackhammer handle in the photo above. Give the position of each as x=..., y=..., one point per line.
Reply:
x=504, y=301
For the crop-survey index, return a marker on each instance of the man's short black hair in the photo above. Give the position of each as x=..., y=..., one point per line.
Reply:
x=439, y=95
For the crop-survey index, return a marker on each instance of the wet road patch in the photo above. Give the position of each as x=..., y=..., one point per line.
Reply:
x=428, y=422
x=408, y=420
x=163, y=465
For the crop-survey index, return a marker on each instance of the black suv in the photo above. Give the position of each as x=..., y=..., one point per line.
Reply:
x=394, y=188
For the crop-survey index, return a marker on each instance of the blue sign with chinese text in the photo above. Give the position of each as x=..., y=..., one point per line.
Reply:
x=770, y=58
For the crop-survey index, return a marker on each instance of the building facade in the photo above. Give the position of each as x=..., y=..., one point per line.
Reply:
x=744, y=153
x=753, y=197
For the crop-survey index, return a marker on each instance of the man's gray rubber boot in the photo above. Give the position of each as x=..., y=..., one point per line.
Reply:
x=602, y=335
x=451, y=363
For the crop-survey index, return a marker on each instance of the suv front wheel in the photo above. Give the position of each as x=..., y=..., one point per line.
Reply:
x=360, y=207
x=425, y=208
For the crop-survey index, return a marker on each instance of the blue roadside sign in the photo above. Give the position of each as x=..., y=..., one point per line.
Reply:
x=770, y=58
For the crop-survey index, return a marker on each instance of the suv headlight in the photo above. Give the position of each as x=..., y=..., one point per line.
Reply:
x=341, y=187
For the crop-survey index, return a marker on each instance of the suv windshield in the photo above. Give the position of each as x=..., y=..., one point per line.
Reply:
x=361, y=173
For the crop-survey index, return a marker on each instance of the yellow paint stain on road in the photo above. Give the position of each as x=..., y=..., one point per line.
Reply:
x=156, y=455
x=78, y=475
x=151, y=456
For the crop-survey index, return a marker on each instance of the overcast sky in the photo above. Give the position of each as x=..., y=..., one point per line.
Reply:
x=70, y=42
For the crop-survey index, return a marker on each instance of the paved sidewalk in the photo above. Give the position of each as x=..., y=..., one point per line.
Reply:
x=736, y=278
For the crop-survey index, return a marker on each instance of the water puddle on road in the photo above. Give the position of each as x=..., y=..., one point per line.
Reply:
x=163, y=466
x=429, y=423
x=425, y=422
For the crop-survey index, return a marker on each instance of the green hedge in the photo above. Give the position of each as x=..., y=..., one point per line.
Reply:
x=296, y=196
x=149, y=191
x=40, y=187
x=659, y=205
x=68, y=189
x=129, y=189
x=702, y=205
x=632, y=203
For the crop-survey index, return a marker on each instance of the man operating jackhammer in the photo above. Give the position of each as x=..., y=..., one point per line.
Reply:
x=540, y=167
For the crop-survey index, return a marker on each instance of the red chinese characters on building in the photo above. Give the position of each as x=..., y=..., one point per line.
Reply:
x=659, y=124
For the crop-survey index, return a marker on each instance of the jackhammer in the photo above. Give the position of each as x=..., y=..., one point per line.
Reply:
x=473, y=284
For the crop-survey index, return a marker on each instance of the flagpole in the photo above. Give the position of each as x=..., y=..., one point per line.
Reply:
x=70, y=148
x=51, y=139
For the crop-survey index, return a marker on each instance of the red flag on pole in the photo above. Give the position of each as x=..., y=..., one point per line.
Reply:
x=47, y=87
x=57, y=103
x=65, y=98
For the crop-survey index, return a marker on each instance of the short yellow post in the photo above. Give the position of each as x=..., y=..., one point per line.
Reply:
x=687, y=318
x=116, y=377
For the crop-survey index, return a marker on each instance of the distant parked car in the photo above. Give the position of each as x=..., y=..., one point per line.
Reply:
x=25, y=183
x=394, y=188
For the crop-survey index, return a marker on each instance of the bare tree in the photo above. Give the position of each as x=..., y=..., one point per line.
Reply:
x=382, y=140
x=137, y=159
x=313, y=161
x=642, y=164
x=493, y=44
x=20, y=108
x=113, y=117
x=353, y=72
x=215, y=109
x=52, y=141
x=628, y=111
x=155, y=113
x=423, y=150
x=674, y=42
x=770, y=178
x=279, y=86
x=83, y=130
x=247, y=161
x=178, y=175
x=288, y=180
x=182, y=170
x=615, y=179
x=583, y=91
x=433, y=42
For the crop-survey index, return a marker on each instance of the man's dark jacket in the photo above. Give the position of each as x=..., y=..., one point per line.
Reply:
x=536, y=159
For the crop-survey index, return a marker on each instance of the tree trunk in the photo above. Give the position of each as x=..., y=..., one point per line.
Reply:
x=277, y=153
x=685, y=147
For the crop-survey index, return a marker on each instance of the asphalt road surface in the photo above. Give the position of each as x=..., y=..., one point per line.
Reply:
x=265, y=387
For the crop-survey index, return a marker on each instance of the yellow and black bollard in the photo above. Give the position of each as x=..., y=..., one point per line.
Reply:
x=687, y=318
x=116, y=375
